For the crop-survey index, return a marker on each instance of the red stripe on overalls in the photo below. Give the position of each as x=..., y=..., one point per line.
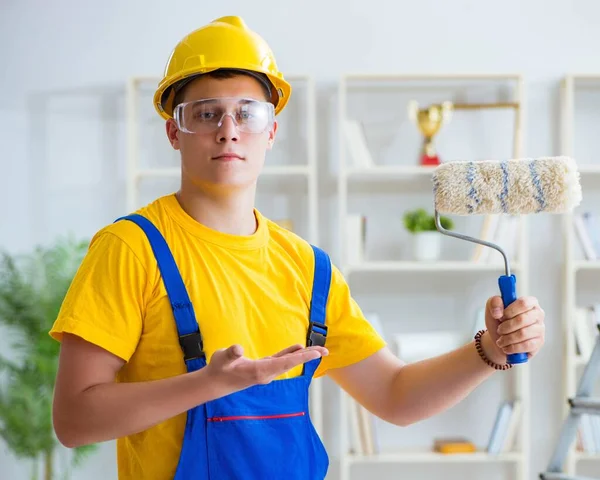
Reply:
x=254, y=417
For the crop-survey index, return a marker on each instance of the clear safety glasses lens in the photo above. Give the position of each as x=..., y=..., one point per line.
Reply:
x=208, y=115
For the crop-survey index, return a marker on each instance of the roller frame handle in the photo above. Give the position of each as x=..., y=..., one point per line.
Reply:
x=508, y=291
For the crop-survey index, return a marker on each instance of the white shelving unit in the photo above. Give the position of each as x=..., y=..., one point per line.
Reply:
x=574, y=266
x=410, y=266
x=396, y=171
x=285, y=168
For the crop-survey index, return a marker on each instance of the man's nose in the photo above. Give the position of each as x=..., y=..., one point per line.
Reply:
x=228, y=130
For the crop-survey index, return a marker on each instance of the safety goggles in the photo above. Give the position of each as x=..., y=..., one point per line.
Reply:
x=208, y=115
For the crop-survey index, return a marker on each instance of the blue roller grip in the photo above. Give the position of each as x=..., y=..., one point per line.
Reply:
x=508, y=290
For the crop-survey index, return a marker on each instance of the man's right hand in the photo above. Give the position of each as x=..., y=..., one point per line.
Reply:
x=91, y=407
x=238, y=372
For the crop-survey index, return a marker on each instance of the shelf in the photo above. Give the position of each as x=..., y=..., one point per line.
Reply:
x=589, y=169
x=159, y=172
x=585, y=76
x=286, y=170
x=586, y=265
x=410, y=172
x=372, y=81
x=586, y=457
x=433, y=457
x=447, y=266
x=390, y=172
x=267, y=171
x=433, y=76
x=579, y=361
x=577, y=268
x=373, y=187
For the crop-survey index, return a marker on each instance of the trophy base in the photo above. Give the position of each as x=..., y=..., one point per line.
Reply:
x=430, y=160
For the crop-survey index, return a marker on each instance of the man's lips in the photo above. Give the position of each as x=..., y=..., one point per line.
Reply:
x=228, y=156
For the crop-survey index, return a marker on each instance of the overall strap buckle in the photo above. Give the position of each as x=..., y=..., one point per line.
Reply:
x=192, y=346
x=317, y=334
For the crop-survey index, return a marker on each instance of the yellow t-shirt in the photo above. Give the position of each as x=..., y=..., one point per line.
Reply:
x=251, y=290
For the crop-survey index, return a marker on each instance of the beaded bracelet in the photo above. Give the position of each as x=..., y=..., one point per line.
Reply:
x=481, y=353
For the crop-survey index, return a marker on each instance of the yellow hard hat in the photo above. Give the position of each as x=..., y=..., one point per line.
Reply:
x=224, y=43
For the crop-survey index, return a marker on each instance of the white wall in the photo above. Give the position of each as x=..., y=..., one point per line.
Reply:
x=62, y=168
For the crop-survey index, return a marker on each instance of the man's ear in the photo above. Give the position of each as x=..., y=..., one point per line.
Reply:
x=272, y=135
x=172, y=133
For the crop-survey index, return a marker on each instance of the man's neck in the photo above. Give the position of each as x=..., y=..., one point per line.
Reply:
x=231, y=213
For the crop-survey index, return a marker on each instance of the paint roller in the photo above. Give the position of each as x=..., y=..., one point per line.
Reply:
x=514, y=187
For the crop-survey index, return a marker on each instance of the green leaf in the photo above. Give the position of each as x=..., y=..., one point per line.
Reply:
x=32, y=289
x=81, y=453
x=419, y=220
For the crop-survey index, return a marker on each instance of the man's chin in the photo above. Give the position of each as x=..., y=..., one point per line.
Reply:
x=227, y=182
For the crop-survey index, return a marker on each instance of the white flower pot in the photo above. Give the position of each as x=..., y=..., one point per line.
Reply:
x=427, y=246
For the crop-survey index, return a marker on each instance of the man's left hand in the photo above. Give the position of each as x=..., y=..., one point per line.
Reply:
x=519, y=328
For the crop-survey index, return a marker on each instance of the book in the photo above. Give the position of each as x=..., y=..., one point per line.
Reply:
x=453, y=445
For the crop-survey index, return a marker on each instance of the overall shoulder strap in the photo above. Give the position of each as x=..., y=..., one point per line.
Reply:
x=317, y=331
x=183, y=310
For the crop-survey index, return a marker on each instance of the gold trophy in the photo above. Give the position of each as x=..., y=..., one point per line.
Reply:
x=429, y=121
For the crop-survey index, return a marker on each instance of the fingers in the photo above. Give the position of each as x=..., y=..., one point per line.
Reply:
x=522, y=328
x=283, y=364
x=287, y=350
x=521, y=321
x=519, y=306
x=298, y=349
x=232, y=353
x=298, y=355
x=530, y=346
x=523, y=340
x=249, y=372
x=322, y=350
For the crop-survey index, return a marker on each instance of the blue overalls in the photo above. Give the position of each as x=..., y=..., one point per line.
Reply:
x=263, y=432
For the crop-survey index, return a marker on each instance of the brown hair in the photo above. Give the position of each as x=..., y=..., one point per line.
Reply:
x=222, y=73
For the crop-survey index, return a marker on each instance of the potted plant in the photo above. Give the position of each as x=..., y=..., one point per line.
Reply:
x=426, y=239
x=32, y=288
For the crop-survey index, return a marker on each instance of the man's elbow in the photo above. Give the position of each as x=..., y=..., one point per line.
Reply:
x=399, y=415
x=404, y=421
x=65, y=435
x=405, y=415
x=68, y=430
x=67, y=441
x=399, y=419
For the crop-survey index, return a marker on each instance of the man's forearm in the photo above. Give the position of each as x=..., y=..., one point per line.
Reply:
x=113, y=410
x=426, y=388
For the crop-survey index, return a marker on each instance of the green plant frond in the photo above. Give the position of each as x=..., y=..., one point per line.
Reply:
x=25, y=417
x=8, y=367
x=34, y=286
x=32, y=289
x=419, y=220
x=81, y=453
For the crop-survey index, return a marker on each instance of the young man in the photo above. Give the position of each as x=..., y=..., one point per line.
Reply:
x=192, y=329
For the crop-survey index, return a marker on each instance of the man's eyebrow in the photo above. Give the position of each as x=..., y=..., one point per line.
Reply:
x=246, y=101
x=240, y=101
